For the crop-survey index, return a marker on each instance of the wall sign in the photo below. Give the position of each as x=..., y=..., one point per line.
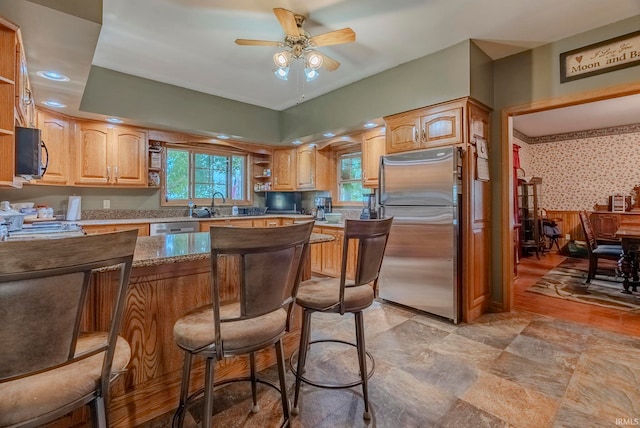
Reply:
x=603, y=57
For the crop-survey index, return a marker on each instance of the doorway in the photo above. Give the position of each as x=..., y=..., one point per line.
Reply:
x=513, y=296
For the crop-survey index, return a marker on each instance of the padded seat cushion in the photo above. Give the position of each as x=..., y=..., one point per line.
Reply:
x=37, y=395
x=321, y=294
x=196, y=329
x=608, y=250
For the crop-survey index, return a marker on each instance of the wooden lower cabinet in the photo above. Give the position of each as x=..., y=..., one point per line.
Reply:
x=143, y=229
x=326, y=258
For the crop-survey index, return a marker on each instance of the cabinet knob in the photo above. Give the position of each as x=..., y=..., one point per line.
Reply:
x=108, y=174
x=415, y=135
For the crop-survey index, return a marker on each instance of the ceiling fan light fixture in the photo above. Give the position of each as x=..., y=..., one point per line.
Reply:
x=311, y=74
x=282, y=73
x=281, y=59
x=314, y=60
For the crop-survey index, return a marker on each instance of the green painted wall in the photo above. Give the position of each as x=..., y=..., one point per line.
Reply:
x=480, y=75
x=441, y=76
x=159, y=104
x=534, y=76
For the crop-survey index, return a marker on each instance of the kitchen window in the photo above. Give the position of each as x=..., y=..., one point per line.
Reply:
x=196, y=174
x=350, y=177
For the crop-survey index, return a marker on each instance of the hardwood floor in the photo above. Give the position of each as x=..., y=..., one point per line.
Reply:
x=531, y=269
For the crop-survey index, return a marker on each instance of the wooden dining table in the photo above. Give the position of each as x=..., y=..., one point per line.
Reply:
x=630, y=238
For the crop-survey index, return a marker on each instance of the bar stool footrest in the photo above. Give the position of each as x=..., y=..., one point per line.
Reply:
x=216, y=385
x=331, y=385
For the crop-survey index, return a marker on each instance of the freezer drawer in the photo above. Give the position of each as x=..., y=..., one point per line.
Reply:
x=420, y=264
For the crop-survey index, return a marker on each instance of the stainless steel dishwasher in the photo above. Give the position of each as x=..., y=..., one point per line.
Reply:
x=173, y=227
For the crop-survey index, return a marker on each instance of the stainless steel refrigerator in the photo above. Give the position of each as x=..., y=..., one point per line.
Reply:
x=421, y=191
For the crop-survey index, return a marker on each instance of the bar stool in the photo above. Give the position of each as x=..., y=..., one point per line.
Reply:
x=270, y=262
x=48, y=366
x=337, y=295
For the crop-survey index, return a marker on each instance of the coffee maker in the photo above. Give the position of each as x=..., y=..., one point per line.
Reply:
x=323, y=205
x=369, y=211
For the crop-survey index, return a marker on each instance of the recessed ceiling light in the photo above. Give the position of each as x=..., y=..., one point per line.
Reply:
x=52, y=75
x=223, y=137
x=328, y=134
x=114, y=120
x=370, y=125
x=56, y=104
x=296, y=142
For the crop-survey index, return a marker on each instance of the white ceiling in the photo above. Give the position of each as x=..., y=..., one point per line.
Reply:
x=190, y=43
x=583, y=117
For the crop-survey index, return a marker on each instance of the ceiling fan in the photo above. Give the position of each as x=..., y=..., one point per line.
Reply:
x=301, y=44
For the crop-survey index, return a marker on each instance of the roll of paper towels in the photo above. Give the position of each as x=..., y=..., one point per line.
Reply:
x=73, y=208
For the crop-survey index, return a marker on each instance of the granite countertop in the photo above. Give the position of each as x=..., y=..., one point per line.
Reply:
x=186, y=218
x=181, y=247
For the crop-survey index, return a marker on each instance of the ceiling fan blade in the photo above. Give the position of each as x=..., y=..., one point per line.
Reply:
x=287, y=21
x=249, y=42
x=346, y=35
x=329, y=63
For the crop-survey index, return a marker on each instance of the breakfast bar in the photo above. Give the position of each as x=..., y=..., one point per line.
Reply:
x=170, y=276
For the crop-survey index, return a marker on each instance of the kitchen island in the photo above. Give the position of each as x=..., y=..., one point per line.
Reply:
x=170, y=276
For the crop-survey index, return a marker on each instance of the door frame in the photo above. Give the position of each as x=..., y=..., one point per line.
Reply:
x=507, y=196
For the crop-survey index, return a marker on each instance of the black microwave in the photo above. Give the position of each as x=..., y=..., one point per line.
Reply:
x=28, y=152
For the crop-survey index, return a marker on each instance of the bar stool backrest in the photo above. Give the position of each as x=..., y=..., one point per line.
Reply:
x=43, y=289
x=269, y=268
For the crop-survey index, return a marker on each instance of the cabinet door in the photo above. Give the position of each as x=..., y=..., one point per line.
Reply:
x=332, y=253
x=284, y=168
x=316, y=254
x=306, y=163
x=373, y=146
x=92, y=154
x=129, y=157
x=441, y=128
x=55, y=135
x=403, y=133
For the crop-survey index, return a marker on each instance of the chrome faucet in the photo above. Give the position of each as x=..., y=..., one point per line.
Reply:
x=213, y=198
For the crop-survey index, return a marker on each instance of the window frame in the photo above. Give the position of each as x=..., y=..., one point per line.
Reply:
x=211, y=151
x=350, y=150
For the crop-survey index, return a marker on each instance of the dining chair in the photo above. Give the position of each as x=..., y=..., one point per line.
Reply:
x=595, y=251
x=270, y=263
x=339, y=296
x=49, y=364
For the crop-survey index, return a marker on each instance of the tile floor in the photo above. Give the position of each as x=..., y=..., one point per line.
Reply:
x=503, y=370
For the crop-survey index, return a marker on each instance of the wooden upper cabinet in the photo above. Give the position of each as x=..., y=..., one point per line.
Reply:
x=403, y=132
x=25, y=106
x=129, y=157
x=109, y=155
x=435, y=126
x=306, y=167
x=373, y=147
x=441, y=128
x=56, y=135
x=284, y=169
x=8, y=49
x=312, y=168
